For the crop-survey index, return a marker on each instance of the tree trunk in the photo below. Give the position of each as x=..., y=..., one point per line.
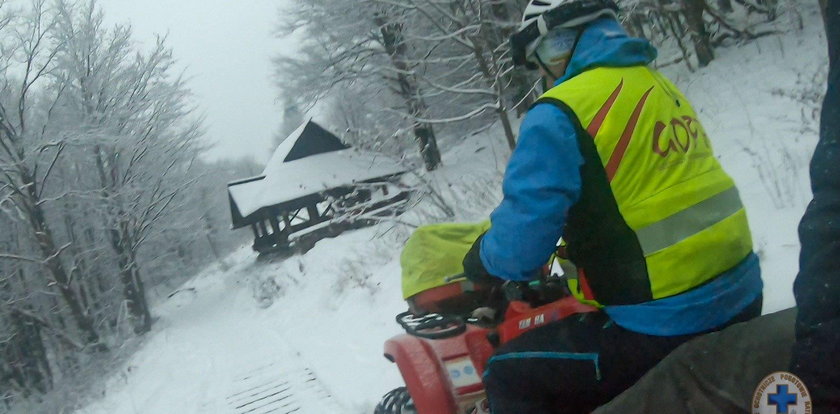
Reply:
x=133, y=290
x=636, y=25
x=62, y=283
x=424, y=134
x=693, y=12
x=520, y=83
x=119, y=235
x=208, y=232
x=80, y=267
x=673, y=19
x=31, y=366
x=509, y=135
x=770, y=7
x=491, y=76
x=52, y=261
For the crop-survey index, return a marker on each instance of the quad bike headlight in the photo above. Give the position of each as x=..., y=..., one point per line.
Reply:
x=462, y=372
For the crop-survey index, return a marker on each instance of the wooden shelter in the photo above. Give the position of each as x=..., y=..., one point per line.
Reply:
x=313, y=187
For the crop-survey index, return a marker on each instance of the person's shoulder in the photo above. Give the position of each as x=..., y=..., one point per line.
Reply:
x=546, y=111
x=547, y=121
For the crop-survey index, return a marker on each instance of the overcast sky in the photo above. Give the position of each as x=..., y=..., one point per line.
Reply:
x=226, y=47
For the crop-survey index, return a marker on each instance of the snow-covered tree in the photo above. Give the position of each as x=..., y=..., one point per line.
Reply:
x=357, y=43
x=469, y=39
x=682, y=26
x=97, y=188
x=32, y=89
x=132, y=111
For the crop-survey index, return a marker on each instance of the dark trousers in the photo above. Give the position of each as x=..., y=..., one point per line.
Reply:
x=716, y=373
x=576, y=364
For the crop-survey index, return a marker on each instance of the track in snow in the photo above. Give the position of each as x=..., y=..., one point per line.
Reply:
x=276, y=389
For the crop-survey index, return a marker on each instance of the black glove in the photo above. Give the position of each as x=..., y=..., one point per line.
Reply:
x=474, y=269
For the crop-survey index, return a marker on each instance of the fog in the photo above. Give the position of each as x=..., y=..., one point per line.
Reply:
x=226, y=49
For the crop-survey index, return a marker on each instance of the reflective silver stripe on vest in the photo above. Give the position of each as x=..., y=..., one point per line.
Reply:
x=684, y=224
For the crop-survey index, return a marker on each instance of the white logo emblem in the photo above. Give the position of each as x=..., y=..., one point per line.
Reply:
x=781, y=393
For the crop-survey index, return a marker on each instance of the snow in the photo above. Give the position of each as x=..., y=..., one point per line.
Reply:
x=214, y=331
x=286, y=146
x=328, y=312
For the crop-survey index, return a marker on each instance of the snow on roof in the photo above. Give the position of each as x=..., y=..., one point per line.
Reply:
x=311, y=175
x=286, y=146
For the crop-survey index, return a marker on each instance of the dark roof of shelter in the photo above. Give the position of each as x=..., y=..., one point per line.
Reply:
x=313, y=139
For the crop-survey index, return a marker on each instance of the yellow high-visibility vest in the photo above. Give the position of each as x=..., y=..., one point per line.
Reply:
x=658, y=216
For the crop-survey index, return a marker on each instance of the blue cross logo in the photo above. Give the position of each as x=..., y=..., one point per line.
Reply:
x=781, y=399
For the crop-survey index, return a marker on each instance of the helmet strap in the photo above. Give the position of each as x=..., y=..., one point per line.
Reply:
x=545, y=68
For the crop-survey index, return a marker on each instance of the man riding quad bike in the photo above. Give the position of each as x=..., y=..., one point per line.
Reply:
x=613, y=159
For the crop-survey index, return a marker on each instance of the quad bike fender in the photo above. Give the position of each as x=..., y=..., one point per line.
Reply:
x=441, y=374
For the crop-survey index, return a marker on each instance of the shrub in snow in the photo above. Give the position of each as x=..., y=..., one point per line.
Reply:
x=265, y=290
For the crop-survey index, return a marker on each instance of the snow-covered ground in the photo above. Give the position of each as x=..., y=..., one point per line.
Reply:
x=306, y=333
x=316, y=321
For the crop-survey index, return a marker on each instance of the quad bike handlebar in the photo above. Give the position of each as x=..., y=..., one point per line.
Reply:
x=485, y=311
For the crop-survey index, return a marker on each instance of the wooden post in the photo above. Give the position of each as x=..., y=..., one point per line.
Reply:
x=693, y=12
x=312, y=210
x=275, y=225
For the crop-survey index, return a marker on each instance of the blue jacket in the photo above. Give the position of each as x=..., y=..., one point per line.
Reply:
x=543, y=181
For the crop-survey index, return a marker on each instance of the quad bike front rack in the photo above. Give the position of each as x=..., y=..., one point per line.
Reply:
x=432, y=325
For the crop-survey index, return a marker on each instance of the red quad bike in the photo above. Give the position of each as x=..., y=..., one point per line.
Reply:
x=444, y=352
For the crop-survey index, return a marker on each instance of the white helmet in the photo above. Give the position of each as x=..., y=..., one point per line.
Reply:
x=540, y=16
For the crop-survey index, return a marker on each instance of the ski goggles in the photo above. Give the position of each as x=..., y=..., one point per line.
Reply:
x=556, y=46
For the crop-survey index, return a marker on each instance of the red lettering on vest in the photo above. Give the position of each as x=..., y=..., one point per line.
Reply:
x=684, y=134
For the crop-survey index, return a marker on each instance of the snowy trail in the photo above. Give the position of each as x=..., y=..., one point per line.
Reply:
x=213, y=353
